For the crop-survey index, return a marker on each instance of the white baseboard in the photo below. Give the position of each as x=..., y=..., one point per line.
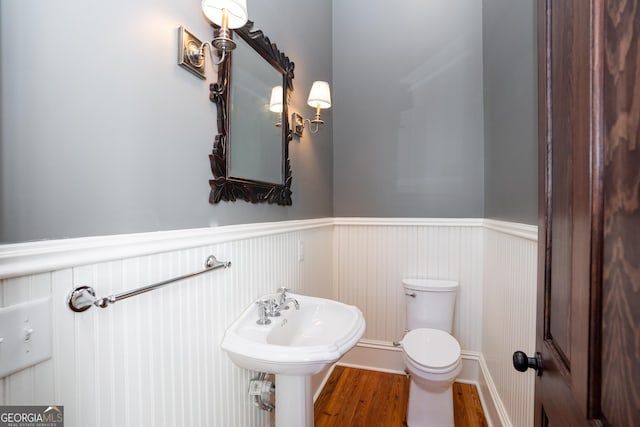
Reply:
x=493, y=407
x=320, y=387
x=383, y=356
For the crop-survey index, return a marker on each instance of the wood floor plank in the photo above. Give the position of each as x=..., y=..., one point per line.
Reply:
x=394, y=393
x=384, y=406
x=352, y=384
x=329, y=387
x=362, y=398
x=467, y=408
x=349, y=385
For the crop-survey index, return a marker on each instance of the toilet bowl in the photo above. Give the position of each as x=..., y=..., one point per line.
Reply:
x=432, y=358
x=430, y=354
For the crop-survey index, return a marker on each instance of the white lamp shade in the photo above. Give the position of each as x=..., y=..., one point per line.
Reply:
x=275, y=104
x=237, y=10
x=320, y=95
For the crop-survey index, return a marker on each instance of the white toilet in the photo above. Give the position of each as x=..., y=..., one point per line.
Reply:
x=430, y=353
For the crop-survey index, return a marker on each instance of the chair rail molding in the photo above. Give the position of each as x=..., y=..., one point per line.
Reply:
x=20, y=259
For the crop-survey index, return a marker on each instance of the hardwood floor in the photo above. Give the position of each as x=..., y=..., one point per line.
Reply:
x=467, y=409
x=361, y=398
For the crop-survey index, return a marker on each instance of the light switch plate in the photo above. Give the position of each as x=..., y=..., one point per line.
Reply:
x=300, y=250
x=25, y=334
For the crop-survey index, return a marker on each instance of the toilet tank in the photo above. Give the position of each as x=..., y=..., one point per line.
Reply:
x=430, y=303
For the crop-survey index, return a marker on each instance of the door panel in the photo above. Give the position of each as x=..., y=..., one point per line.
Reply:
x=563, y=91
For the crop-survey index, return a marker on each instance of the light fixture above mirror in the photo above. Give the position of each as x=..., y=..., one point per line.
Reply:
x=226, y=15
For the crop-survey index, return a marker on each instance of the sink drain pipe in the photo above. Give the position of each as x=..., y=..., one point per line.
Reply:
x=261, y=389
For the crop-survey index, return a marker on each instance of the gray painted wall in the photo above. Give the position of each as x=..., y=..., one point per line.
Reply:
x=116, y=139
x=102, y=133
x=408, y=116
x=510, y=110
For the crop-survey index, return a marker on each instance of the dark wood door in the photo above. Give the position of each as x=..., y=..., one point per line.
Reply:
x=588, y=327
x=568, y=231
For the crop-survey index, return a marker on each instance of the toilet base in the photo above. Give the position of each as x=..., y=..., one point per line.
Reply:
x=430, y=408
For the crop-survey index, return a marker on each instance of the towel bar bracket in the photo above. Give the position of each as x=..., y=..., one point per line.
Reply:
x=82, y=298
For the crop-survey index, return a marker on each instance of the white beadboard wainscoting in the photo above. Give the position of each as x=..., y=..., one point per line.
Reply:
x=154, y=359
x=509, y=317
x=371, y=257
x=495, y=265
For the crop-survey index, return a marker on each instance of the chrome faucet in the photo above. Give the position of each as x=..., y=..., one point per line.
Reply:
x=284, y=300
x=271, y=308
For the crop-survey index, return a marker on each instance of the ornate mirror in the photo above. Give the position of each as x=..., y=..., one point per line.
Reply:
x=250, y=158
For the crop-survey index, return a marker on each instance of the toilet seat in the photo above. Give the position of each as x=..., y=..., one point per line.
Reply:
x=432, y=350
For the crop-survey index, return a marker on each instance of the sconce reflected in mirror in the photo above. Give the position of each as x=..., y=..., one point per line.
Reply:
x=227, y=15
x=275, y=104
x=320, y=99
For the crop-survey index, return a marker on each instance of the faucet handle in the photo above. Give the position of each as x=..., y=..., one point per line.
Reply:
x=282, y=294
x=263, y=308
x=273, y=309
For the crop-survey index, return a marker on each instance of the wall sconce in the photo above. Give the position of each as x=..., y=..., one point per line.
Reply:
x=319, y=98
x=226, y=14
x=275, y=104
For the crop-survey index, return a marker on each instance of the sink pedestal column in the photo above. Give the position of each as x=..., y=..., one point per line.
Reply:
x=294, y=402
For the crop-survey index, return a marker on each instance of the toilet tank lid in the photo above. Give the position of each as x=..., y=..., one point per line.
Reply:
x=433, y=285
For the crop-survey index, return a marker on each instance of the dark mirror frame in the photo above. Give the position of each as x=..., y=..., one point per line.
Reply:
x=230, y=188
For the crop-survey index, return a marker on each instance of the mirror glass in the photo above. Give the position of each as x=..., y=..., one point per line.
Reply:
x=256, y=150
x=250, y=157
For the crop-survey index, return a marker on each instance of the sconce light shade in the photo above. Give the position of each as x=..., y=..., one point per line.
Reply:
x=320, y=95
x=275, y=104
x=237, y=12
x=319, y=98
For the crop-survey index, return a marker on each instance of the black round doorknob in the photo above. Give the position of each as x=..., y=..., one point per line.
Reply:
x=521, y=362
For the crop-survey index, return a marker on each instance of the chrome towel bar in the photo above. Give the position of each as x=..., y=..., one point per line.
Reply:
x=83, y=297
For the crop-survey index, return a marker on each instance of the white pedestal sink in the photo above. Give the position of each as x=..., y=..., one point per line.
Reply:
x=297, y=344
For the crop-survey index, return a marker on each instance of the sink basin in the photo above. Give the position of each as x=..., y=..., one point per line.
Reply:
x=300, y=341
x=295, y=345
